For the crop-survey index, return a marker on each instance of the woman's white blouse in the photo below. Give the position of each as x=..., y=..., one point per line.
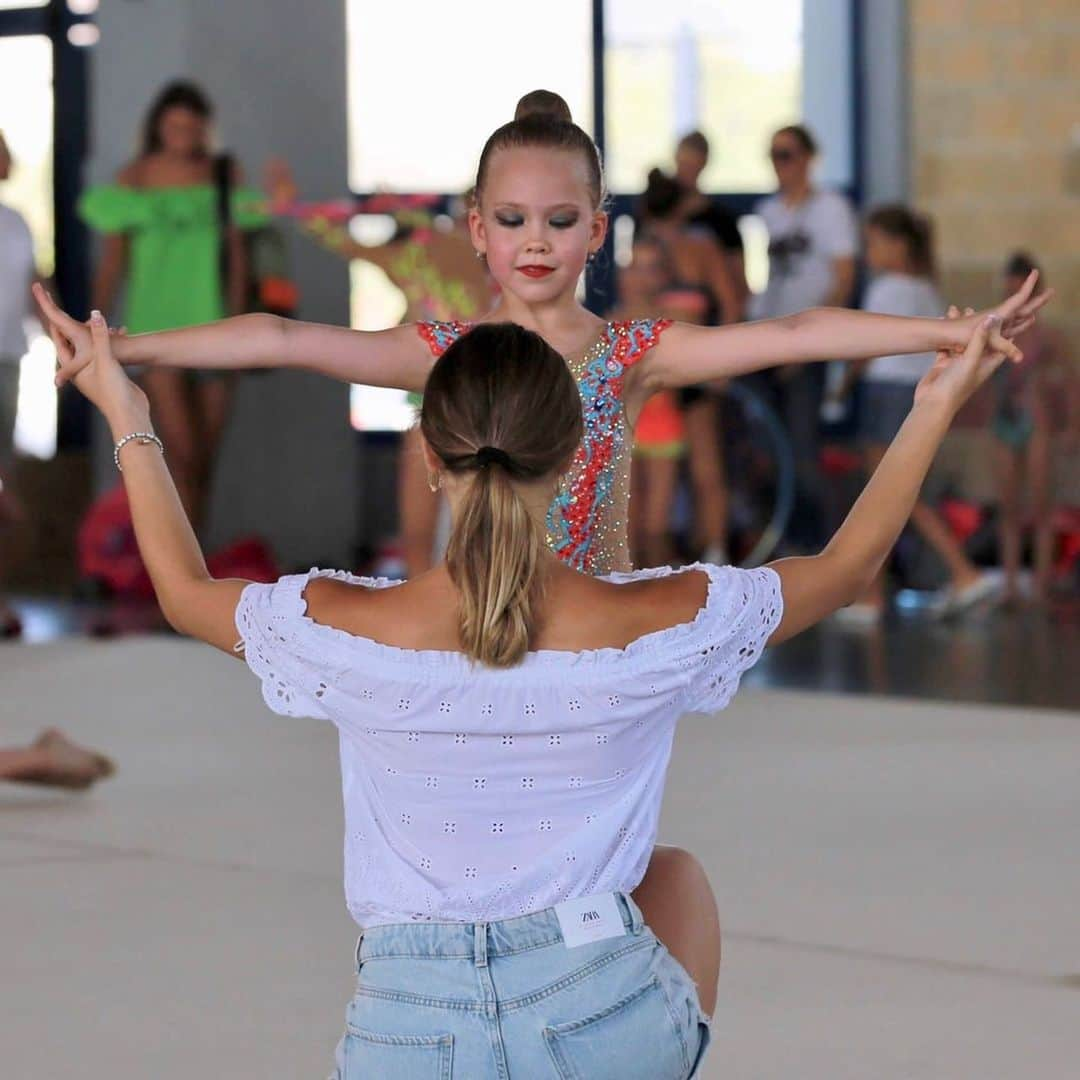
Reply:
x=475, y=794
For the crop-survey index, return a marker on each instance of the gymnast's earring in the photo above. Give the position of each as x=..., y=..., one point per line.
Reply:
x=434, y=481
x=481, y=254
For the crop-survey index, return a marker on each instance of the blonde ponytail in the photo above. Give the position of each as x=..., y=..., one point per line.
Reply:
x=494, y=558
x=502, y=411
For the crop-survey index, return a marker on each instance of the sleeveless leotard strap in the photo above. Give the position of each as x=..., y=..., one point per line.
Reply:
x=634, y=338
x=441, y=335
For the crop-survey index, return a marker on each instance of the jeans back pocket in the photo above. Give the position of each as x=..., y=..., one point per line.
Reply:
x=637, y=1038
x=369, y=1054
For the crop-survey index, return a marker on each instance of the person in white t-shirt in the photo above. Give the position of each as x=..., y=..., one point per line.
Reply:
x=813, y=240
x=17, y=274
x=52, y=759
x=900, y=254
x=505, y=721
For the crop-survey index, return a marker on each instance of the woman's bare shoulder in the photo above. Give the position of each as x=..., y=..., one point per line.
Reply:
x=630, y=609
x=326, y=593
x=131, y=174
x=673, y=598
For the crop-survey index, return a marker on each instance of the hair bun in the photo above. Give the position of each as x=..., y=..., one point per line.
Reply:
x=543, y=103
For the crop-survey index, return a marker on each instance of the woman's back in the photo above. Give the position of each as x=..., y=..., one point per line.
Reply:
x=476, y=793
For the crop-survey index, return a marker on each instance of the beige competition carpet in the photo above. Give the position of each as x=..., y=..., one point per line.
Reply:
x=899, y=883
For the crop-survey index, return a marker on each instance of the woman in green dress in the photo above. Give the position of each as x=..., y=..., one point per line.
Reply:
x=163, y=243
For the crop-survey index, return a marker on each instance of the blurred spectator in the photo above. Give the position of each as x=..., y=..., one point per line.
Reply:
x=701, y=290
x=900, y=256
x=172, y=224
x=660, y=431
x=697, y=209
x=17, y=274
x=1031, y=400
x=813, y=239
x=437, y=271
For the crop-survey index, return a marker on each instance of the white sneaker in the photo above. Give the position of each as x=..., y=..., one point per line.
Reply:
x=858, y=616
x=955, y=602
x=716, y=555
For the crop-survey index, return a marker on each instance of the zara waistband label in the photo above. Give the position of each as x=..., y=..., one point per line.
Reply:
x=589, y=918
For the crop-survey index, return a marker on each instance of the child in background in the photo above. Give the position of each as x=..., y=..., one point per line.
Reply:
x=1031, y=399
x=899, y=253
x=660, y=435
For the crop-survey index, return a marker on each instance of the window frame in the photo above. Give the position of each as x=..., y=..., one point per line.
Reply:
x=71, y=120
x=600, y=282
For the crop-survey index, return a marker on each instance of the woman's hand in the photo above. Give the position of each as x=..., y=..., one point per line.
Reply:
x=101, y=379
x=74, y=347
x=954, y=378
x=1014, y=316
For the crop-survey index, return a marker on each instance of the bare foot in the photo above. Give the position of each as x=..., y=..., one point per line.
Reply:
x=66, y=764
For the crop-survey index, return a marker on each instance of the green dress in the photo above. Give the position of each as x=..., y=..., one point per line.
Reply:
x=174, y=276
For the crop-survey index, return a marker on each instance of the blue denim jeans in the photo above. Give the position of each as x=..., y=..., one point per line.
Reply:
x=509, y=1000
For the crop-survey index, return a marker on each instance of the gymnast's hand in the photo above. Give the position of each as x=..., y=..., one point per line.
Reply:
x=101, y=379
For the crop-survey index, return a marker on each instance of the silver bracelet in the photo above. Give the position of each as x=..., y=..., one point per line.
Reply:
x=145, y=438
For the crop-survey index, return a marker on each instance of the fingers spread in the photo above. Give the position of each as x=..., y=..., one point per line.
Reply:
x=1036, y=303
x=52, y=312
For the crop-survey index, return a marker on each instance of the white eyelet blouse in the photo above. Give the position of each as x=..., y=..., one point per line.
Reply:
x=474, y=794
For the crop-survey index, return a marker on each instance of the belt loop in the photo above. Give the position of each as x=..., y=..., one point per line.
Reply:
x=356, y=954
x=480, y=944
x=637, y=920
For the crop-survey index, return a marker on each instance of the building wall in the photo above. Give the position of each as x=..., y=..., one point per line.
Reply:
x=995, y=159
x=995, y=145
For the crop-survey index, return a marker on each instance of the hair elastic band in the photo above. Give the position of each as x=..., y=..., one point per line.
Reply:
x=492, y=455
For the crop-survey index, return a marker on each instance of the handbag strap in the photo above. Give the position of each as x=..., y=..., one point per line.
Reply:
x=223, y=174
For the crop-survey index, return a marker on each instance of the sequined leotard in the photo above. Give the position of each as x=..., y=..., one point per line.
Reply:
x=587, y=522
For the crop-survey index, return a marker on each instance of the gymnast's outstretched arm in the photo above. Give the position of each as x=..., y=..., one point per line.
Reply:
x=397, y=357
x=687, y=354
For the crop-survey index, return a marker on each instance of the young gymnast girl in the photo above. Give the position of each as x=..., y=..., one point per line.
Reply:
x=537, y=218
x=506, y=722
